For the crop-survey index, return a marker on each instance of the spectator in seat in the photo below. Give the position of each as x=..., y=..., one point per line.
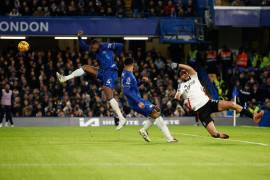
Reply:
x=189, y=11
x=39, y=12
x=159, y=8
x=72, y=8
x=6, y=103
x=238, y=3
x=211, y=60
x=14, y=12
x=265, y=60
x=242, y=59
x=168, y=8
x=253, y=106
x=137, y=7
x=266, y=2
x=255, y=59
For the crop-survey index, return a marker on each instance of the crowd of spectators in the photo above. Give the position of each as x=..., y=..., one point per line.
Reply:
x=36, y=91
x=171, y=8
x=241, y=72
x=118, y=8
x=243, y=2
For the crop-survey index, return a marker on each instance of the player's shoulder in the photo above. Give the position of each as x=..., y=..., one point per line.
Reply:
x=126, y=74
x=194, y=76
x=104, y=45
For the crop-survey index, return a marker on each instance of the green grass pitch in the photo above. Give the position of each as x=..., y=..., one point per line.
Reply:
x=103, y=153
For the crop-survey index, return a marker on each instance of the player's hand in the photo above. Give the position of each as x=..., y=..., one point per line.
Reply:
x=173, y=65
x=79, y=33
x=146, y=79
x=141, y=105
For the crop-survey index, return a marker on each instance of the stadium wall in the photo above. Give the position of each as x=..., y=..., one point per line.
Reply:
x=241, y=16
x=107, y=121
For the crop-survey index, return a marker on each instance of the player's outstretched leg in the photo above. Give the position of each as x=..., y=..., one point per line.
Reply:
x=214, y=133
x=225, y=105
x=162, y=125
x=115, y=106
x=78, y=72
x=143, y=131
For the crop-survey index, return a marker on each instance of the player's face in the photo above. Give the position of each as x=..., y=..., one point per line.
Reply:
x=95, y=47
x=7, y=87
x=132, y=67
x=184, y=76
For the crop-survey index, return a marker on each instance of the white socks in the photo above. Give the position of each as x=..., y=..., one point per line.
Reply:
x=147, y=124
x=116, y=109
x=76, y=73
x=164, y=129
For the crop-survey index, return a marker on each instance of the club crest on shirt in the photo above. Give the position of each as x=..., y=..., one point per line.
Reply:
x=128, y=81
x=105, y=54
x=187, y=85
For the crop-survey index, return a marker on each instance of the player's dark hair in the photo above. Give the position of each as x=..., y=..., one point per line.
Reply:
x=128, y=61
x=95, y=41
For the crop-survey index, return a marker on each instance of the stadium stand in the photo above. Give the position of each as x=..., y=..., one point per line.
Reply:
x=37, y=92
x=242, y=2
x=118, y=8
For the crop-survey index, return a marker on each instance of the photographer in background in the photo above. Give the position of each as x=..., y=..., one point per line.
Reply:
x=6, y=106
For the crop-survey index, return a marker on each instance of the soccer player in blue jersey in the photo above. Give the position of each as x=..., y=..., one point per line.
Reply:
x=140, y=105
x=107, y=72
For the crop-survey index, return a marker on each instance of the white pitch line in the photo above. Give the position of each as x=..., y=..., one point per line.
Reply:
x=234, y=140
x=255, y=127
x=135, y=164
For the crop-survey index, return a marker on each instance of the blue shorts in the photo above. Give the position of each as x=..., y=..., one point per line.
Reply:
x=146, y=111
x=108, y=78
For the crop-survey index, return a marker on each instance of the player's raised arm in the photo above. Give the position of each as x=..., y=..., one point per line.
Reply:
x=178, y=93
x=188, y=68
x=83, y=44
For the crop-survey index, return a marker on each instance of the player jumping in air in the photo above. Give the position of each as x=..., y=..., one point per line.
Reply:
x=140, y=105
x=191, y=89
x=107, y=72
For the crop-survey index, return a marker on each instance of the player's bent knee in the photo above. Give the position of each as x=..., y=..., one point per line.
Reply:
x=155, y=114
x=157, y=109
x=84, y=67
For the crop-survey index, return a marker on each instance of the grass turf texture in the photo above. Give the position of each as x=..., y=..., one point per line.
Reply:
x=103, y=153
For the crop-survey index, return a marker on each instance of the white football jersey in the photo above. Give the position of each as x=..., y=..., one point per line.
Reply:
x=193, y=92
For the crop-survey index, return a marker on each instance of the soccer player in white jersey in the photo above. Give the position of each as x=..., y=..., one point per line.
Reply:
x=191, y=90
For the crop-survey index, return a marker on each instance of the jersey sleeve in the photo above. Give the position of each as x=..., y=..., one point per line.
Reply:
x=127, y=89
x=118, y=47
x=83, y=45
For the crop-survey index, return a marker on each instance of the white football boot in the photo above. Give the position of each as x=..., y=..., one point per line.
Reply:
x=173, y=140
x=122, y=123
x=60, y=77
x=144, y=135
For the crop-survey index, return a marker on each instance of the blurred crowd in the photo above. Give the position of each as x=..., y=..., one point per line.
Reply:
x=242, y=2
x=36, y=91
x=243, y=73
x=118, y=8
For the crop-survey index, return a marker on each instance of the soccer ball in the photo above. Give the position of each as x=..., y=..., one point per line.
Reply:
x=23, y=46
